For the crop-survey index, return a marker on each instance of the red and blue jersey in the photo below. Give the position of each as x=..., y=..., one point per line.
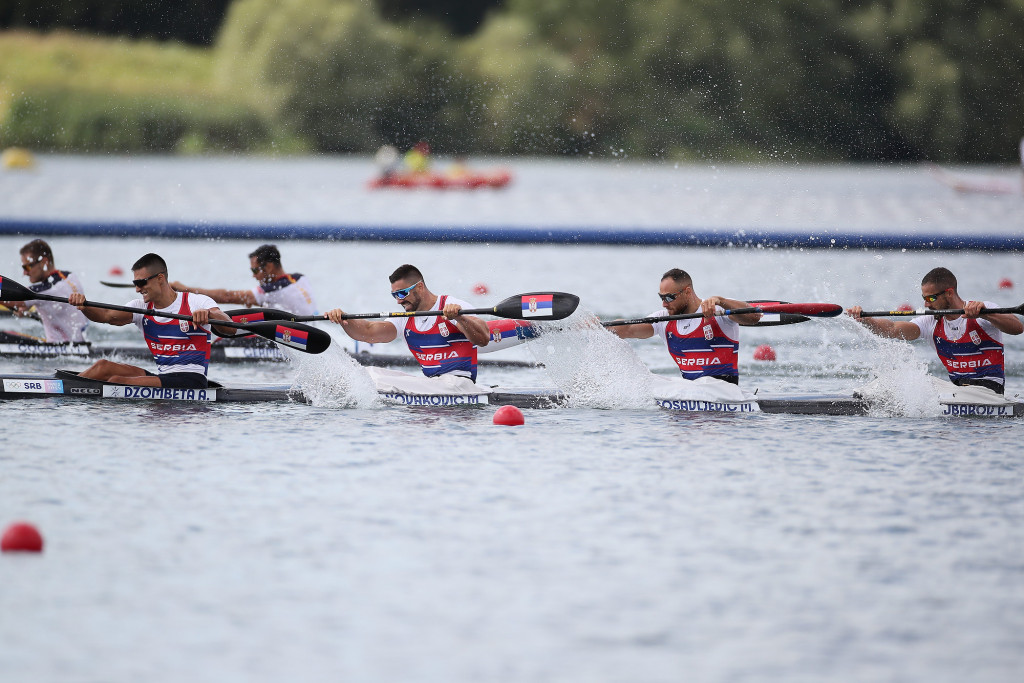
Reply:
x=974, y=356
x=700, y=348
x=177, y=345
x=442, y=348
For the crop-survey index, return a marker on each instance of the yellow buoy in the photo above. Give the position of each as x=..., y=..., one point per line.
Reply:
x=17, y=157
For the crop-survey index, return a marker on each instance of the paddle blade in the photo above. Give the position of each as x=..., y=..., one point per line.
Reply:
x=813, y=310
x=293, y=335
x=12, y=291
x=538, y=306
x=255, y=315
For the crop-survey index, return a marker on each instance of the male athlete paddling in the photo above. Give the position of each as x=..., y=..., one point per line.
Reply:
x=445, y=346
x=181, y=348
x=970, y=345
x=700, y=347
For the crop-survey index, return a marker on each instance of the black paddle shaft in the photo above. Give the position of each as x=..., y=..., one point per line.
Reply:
x=1017, y=310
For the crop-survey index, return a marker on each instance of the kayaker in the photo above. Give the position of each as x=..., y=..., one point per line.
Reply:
x=61, y=322
x=444, y=346
x=700, y=347
x=969, y=345
x=180, y=348
x=276, y=287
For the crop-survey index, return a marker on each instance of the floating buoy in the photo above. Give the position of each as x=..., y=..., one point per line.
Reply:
x=480, y=288
x=904, y=307
x=116, y=271
x=17, y=157
x=764, y=352
x=509, y=416
x=1006, y=283
x=21, y=537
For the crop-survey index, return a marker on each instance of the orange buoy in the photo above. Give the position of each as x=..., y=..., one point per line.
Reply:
x=904, y=307
x=509, y=416
x=764, y=352
x=21, y=537
x=481, y=289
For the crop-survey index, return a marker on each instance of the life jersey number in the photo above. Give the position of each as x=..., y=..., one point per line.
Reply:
x=704, y=351
x=975, y=355
x=177, y=343
x=442, y=348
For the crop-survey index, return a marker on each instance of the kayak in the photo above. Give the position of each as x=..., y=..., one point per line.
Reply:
x=443, y=181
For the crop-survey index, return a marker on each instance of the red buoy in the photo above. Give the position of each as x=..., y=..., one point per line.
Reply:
x=764, y=352
x=116, y=271
x=480, y=288
x=509, y=416
x=904, y=307
x=21, y=537
x=1006, y=283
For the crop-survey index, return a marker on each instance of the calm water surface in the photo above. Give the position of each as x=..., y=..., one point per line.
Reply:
x=295, y=542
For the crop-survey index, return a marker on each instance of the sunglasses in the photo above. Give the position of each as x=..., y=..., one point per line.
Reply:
x=400, y=294
x=142, y=281
x=25, y=267
x=257, y=268
x=930, y=298
x=669, y=298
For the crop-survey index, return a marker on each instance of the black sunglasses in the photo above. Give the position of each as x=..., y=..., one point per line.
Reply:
x=142, y=281
x=25, y=267
x=669, y=298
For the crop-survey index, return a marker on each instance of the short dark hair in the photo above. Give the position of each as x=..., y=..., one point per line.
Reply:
x=405, y=272
x=680, y=276
x=940, y=277
x=151, y=262
x=37, y=250
x=267, y=253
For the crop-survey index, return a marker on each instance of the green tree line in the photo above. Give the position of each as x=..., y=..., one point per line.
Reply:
x=675, y=79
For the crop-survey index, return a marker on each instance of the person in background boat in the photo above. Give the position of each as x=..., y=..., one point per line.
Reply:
x=61, y=322
x=700, y=347
x=180, y=348
x=388, y=161
x=444, y=346
x=277, y=288
x=969, y=345
x=417, y=159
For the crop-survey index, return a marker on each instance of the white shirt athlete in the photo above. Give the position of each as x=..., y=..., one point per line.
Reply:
x=291, y=293
x=61, y=322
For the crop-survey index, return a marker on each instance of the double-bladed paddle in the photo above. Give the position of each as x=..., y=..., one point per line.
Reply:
x=1019, y=310
x=811, y=310
x=538, y=306
x=295, y=335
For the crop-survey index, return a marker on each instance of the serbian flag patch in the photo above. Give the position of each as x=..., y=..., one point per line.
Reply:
x=248, y=318
x=291, y=337
x=538, y=305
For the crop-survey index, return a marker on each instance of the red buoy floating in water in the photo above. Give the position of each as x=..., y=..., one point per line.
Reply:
x=904, y=307
x=764, y=352
x=480, y=289
x=509, y=416
x=21, y=537
x=116, y=271
x=1006, y=283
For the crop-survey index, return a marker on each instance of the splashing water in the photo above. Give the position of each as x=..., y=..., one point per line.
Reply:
x=902, y=385
x=333, y=379
x=591, y=366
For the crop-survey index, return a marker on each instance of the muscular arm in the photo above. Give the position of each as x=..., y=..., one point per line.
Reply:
x=639, y=331
x=221, y=296
x=474, y=328
x=99, y=315
x=709, y=304
x=884, y=327
x=369, y=331
x=1007, y=323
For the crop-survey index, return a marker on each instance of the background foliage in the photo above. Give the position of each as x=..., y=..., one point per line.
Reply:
x=680, y=79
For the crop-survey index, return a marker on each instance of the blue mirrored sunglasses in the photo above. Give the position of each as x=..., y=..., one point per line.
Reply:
x=400, y=294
